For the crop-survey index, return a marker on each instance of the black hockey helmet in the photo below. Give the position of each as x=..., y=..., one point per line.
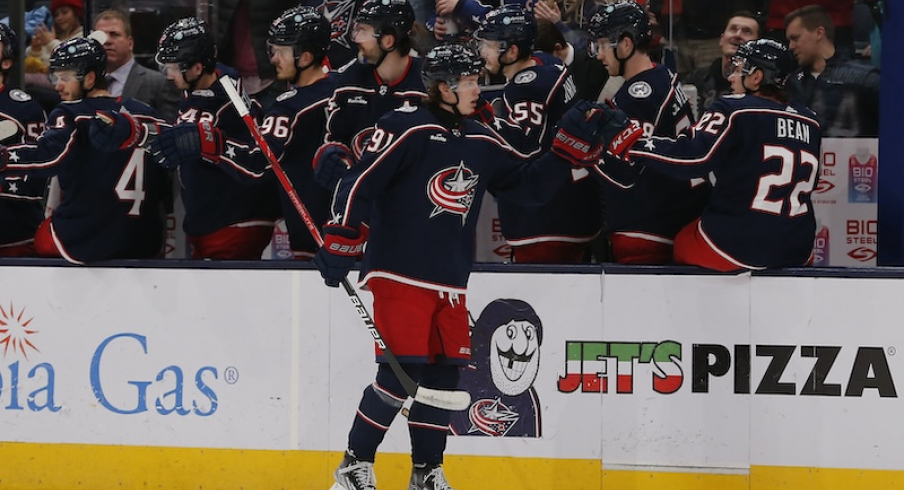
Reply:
x=10, y=42
x=186, y=42
x=509, y=25
x=82, y=54
x=449, y=62
x=394, y=17
x=622, y=18
x=303, y=28
x=771, y=57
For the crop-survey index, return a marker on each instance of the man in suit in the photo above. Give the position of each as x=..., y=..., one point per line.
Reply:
x=589, y=74
x=126, y=77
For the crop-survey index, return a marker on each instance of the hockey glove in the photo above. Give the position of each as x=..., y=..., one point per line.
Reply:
x=576, y=139
x=341, y=247
x=331, y=162
x=484, y=112
x=617, y=131
x=186, y=143
x=112, y=131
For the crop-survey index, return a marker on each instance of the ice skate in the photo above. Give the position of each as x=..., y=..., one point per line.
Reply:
x=356, y=474
x=428, y=477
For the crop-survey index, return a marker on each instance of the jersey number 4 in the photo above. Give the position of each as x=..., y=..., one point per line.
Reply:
x=785, y=177
x=130, y=186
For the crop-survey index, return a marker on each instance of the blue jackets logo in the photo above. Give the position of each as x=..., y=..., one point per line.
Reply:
x=451, y=190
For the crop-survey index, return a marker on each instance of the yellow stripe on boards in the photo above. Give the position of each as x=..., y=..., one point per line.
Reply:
x=653, y=480
x=75, y=466
x=801, y=478
x=79, y=466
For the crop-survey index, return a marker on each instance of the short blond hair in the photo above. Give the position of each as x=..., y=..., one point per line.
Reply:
x=117, y=15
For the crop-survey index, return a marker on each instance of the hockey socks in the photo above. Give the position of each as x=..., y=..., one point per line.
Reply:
x=381, y=402
x=428, y=426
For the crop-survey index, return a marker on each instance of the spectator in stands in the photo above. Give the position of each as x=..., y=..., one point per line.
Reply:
x=713, y=83
x=589, y=74
x=67, y=24
x=840, y=11
x=571, y=18
x=843, y=93
x=699, y=28
x=126, y=77
x=242, y=39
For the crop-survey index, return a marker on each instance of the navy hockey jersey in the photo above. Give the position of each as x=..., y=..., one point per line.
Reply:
x=535, y=99
x=361, y=98
x=213, y=199
x=652, y=203
x=294, y=129
x=419, y=186
x=765, y=157
x=21, y=198
x=111, y=205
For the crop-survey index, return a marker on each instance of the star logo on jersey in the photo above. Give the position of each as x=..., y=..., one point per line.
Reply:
x=649, y=144
x=13, y=157
x=230, y=151
x=339, y=15
x=13, y=187
x=452, y=190
x=491, y=417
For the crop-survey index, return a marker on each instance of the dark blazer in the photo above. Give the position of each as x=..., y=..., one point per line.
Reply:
x=589, y=74
x=152, y=88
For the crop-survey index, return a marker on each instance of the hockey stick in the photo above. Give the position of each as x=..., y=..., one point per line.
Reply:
x=445, y=399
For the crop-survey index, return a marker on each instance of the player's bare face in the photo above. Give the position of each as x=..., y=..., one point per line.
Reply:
x=368, y=45
x=67, y=84
x=803, y=43
x=118, y=45
x=737, y=80
x=738, y=31
x=468, y=91
x=489, y=51
x=605, y=52
x=283, y=58
x=172, y=72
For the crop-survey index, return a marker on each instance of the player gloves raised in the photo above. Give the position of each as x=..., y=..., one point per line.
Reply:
x=341, y=247
x=577, y=137
x=186, y=143
x=112, y=131
x=331, y=162
x=617, y=131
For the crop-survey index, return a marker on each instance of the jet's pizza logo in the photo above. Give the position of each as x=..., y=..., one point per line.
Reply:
x=765, y=369
x=15, y=332
x=505, y=361
x=452, y=190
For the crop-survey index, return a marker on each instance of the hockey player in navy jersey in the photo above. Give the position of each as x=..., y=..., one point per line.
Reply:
x=536, y=95
x=414, y=198
x=21, y=198
x=111, y=201
x=294, y=126
x=764, y=152
x=385, y=76
x=224, y=218
x=645, y=209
